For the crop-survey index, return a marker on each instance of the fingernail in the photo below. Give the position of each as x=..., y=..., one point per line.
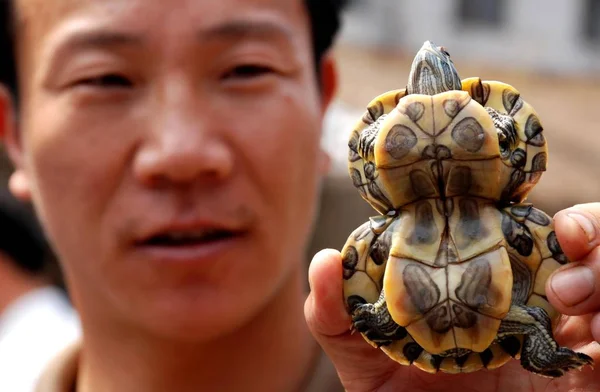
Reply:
x=585, y=224
x=574, y=285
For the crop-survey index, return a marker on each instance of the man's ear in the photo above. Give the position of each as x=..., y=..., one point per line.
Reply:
x=329, y=85
x=329, y=80
x=11, y=141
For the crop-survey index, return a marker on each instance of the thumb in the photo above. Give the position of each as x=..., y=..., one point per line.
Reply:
x=324, y=309
x=360, y=366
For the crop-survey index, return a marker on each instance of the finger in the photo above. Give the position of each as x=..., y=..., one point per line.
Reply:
x=574, y=289
x=578, y=229
x=360, y=366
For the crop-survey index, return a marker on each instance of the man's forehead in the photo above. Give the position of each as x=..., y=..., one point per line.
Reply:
x=40, y=10
x=47, y=11
x=43, y=24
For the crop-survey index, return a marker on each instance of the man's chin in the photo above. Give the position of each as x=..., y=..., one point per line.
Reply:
x=197, y=320
x=198, y=308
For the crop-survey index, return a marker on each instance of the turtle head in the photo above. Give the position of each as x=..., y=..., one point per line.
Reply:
x=432, y=71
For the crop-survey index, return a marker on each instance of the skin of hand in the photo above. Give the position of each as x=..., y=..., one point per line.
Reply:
x=574, y=290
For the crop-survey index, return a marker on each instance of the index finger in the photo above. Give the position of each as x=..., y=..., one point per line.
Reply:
x=578, y=229
x=573, y=288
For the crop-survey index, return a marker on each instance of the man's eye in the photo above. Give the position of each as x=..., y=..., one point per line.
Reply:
x=109, y=80
x=248, y=71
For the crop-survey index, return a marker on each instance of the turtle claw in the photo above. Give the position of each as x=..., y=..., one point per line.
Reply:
x=376, y=324
x=365, y=321
x=565, y=360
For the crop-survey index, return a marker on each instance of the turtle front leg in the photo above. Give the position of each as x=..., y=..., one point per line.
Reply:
x=375, y=321
x=540, y=353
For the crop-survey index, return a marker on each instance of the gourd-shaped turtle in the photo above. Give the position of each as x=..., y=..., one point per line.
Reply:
x=450, y=276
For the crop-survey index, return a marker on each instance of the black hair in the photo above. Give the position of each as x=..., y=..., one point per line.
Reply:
x=325, y=19
x=21, y=236
x=8, y=74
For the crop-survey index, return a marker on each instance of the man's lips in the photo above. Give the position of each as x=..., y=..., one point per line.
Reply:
x=190, y=240
x=190, y=247
x=189, y=237
x=188, y=231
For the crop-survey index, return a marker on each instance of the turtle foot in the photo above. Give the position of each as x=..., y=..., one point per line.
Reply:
x=377, y=325
x=541, y=354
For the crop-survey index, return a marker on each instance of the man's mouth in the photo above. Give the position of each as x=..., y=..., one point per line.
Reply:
x=190, y=246
x=190, y=238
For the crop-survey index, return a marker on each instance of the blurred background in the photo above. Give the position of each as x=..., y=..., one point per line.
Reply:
x=548, y=49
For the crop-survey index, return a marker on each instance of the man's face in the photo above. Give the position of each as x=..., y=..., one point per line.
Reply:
x=172, y=152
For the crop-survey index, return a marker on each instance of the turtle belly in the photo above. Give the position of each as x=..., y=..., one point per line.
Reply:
x=448, y=280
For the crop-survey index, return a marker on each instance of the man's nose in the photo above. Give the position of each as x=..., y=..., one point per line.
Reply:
x=183, y=145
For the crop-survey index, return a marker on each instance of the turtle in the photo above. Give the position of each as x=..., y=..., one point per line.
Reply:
x=449, y=275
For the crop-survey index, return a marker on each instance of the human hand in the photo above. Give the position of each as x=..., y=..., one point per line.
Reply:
x=363, y=368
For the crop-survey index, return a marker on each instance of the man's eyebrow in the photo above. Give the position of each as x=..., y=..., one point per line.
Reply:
x=241, y=29
x=105, y=38
x=81, y=39
x=93, y=39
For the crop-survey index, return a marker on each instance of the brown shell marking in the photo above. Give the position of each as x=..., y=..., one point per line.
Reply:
x=469, y=134
x=399, y=141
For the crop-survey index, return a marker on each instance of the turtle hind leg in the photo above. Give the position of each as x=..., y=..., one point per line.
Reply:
x=376, y=323
x=540, y=353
